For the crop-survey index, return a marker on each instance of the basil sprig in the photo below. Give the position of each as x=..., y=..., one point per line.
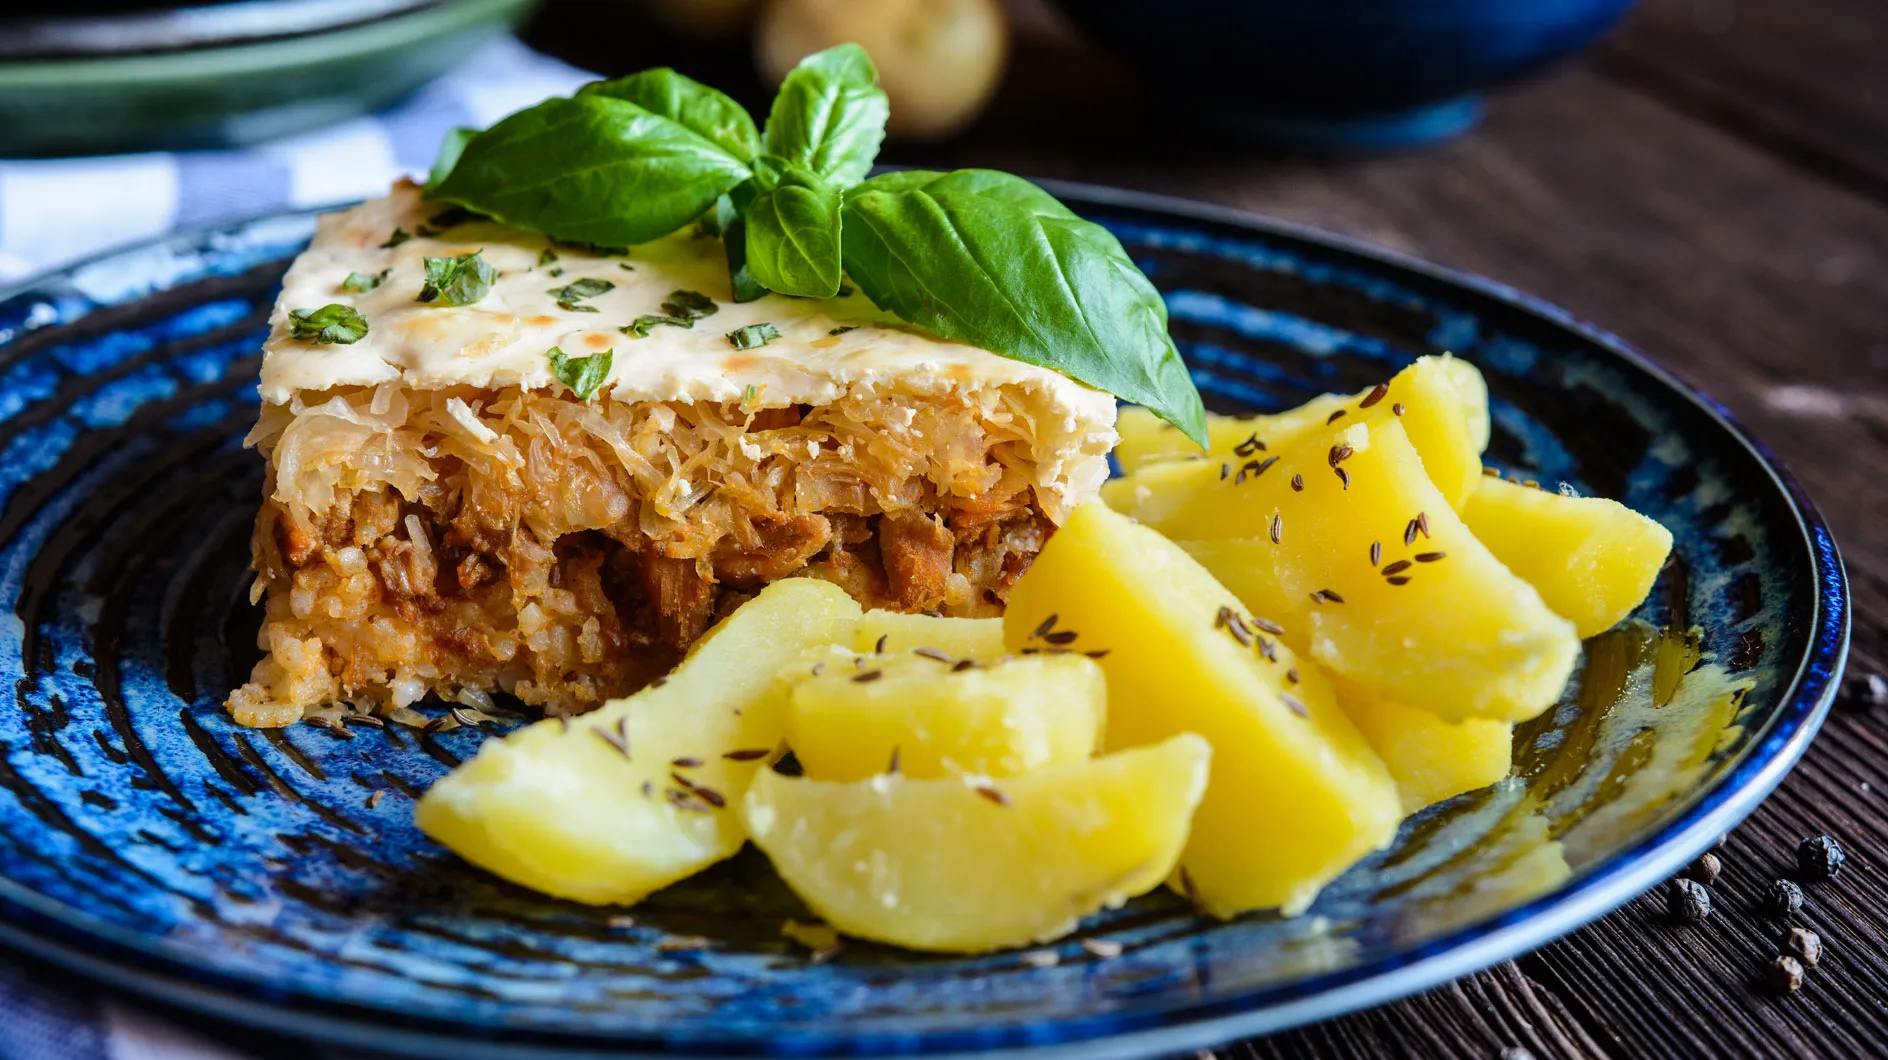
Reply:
x=829, y=115
x=990, y=259
x=792, y=239
x=591, y=169
x=975, y=255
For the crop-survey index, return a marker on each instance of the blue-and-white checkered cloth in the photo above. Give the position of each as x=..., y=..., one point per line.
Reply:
x=55, y=211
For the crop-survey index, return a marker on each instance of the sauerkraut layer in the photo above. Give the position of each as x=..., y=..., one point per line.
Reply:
x=463, y=542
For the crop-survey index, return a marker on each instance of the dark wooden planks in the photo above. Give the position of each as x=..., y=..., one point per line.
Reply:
x=1807, y=80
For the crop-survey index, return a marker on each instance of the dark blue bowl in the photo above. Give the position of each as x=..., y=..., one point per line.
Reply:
x=1339, y=73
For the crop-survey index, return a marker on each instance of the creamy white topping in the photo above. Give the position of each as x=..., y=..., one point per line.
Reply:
x=502, y=339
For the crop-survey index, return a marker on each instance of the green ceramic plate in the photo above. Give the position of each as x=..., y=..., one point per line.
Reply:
x=239, y=93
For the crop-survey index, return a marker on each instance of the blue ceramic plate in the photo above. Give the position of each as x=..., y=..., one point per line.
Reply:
x=146, y=840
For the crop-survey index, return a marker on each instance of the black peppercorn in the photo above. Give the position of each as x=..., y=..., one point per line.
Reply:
x=1705, y=870
x=1786, y=975
x=1782, y=899
x=1804, y=945
x=1819, y=858
x=1688, y=902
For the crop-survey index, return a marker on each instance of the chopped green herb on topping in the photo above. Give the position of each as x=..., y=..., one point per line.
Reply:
x=748, y=394
x=399, y=236
x=570, y=294
x=583, y=375
x=554, y=273
x=601, y=250
x=547, y=257
x=360, y=282
x=582, y=289
x=457, y=281
x=691, y=304
x=753, y=336
x=626, y=266
x=843, y=328
x=331, y=325
x=683, y=308
x=641, y=326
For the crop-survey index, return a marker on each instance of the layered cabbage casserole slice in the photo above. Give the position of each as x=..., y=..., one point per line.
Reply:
x=552, y=490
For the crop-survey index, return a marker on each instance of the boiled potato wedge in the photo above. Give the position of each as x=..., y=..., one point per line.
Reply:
x=1372, y=573
x=942, y=717
x=1443, y=403
x=591, y=810
x=969, y=864
x=1297, y=796
x=1147, y=440
x=1593, y=560
x=960, y=638
x=1429, y=758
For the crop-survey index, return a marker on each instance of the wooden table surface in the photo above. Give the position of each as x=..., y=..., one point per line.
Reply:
x=1712, y=185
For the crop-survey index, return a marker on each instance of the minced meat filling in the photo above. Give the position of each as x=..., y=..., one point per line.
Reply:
x=542, y=563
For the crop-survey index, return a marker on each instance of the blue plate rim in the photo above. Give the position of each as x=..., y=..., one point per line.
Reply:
x=80, y=943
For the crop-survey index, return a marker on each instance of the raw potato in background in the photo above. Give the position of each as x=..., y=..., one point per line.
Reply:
x=704, y=18
x=938, y=60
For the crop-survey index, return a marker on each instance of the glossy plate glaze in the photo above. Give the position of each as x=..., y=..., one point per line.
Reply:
x=146, y=840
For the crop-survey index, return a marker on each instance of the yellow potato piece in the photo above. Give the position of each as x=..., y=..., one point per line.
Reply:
x=960, y=638
x=564, y=810
x=1297, y=795
x=1438, y=621
x=1147, y=440
x=1429, y=758
x=1000, y=720
x=1591, y=559
x=968, y=864
x=1444, y=404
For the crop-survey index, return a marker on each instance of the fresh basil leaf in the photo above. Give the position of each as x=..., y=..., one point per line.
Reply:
x=331, y=325
x=450, y=148
x=829, y=115
x=731, y=211
x=706, y=112
x=592, y=169
x=361, y=282
x=457, y=281
x=793, y=236
x=990, y=259
x=581, y=289
x=753, y=336
x=741, y=279
x=583, y=375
